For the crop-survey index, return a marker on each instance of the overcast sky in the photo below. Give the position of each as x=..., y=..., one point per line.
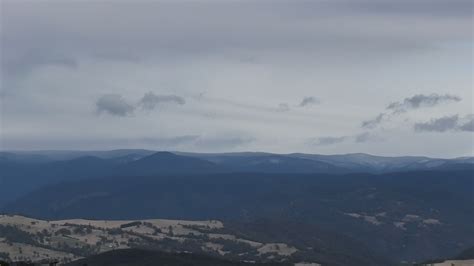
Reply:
x=386, y=77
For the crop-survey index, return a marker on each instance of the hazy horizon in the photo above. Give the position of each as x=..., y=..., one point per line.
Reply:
x=232, y=152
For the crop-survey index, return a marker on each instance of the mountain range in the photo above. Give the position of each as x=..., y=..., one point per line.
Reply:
x=350, y=162
x=392, y=209
x=22, y=172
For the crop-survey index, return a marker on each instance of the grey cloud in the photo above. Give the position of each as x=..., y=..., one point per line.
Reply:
x=438, y=124
x=150, y=101
x=447, y=123
x=198, y=142
x=151, y=142
x=19, y=65
x=169, y=142
x=283, y=107
x=358, y=138
x=374, y=122
x=222, y=143
x=114, y=104
x=421, y=100
x=468, y=125
x=453, y=8
x=307, y=101
x=243, y=105
x=410, y=103
x=120, y=56
x=217, y=143
x=366, y=137
x=322, y=141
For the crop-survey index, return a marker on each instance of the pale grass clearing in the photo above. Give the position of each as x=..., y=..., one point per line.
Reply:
x=119, y=234
x=234, y=238
x=454, y=263
x=209, y=246
x=281, y=249
x=162, y=223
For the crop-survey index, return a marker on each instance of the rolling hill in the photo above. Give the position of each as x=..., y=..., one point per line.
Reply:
x=64, y=241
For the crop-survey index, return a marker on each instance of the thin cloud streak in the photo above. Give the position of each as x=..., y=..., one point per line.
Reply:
x=322, y=141
x=357, y=138
x=117, y=105
x=150, y=101
x=410, y=103
x=420, y=101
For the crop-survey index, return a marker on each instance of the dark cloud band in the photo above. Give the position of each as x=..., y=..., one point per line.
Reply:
x=115, y=104
x=150, y=100
x=447, y=123
x=410, y=103
x=308, y=101
x=421, y=100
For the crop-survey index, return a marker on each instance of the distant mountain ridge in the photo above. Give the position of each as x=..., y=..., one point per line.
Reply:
x=353, y=162
x=19, y=176
x=24, y=171
x=350, y=162
x=410, y=208
x=168, y=163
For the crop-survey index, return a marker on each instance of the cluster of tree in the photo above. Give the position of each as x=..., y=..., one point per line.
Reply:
x=13, y=234
x=145, y=257
x=131, y=224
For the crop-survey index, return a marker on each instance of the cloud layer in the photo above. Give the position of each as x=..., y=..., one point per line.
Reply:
x=114, y=104
x=357, y=138
x=329, y=140
x=234, y=71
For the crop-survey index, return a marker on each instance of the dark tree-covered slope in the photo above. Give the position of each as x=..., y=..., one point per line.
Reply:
x=407, y=216
x=133, y=257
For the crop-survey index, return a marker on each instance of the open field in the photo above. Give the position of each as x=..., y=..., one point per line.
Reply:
x=30, y=239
